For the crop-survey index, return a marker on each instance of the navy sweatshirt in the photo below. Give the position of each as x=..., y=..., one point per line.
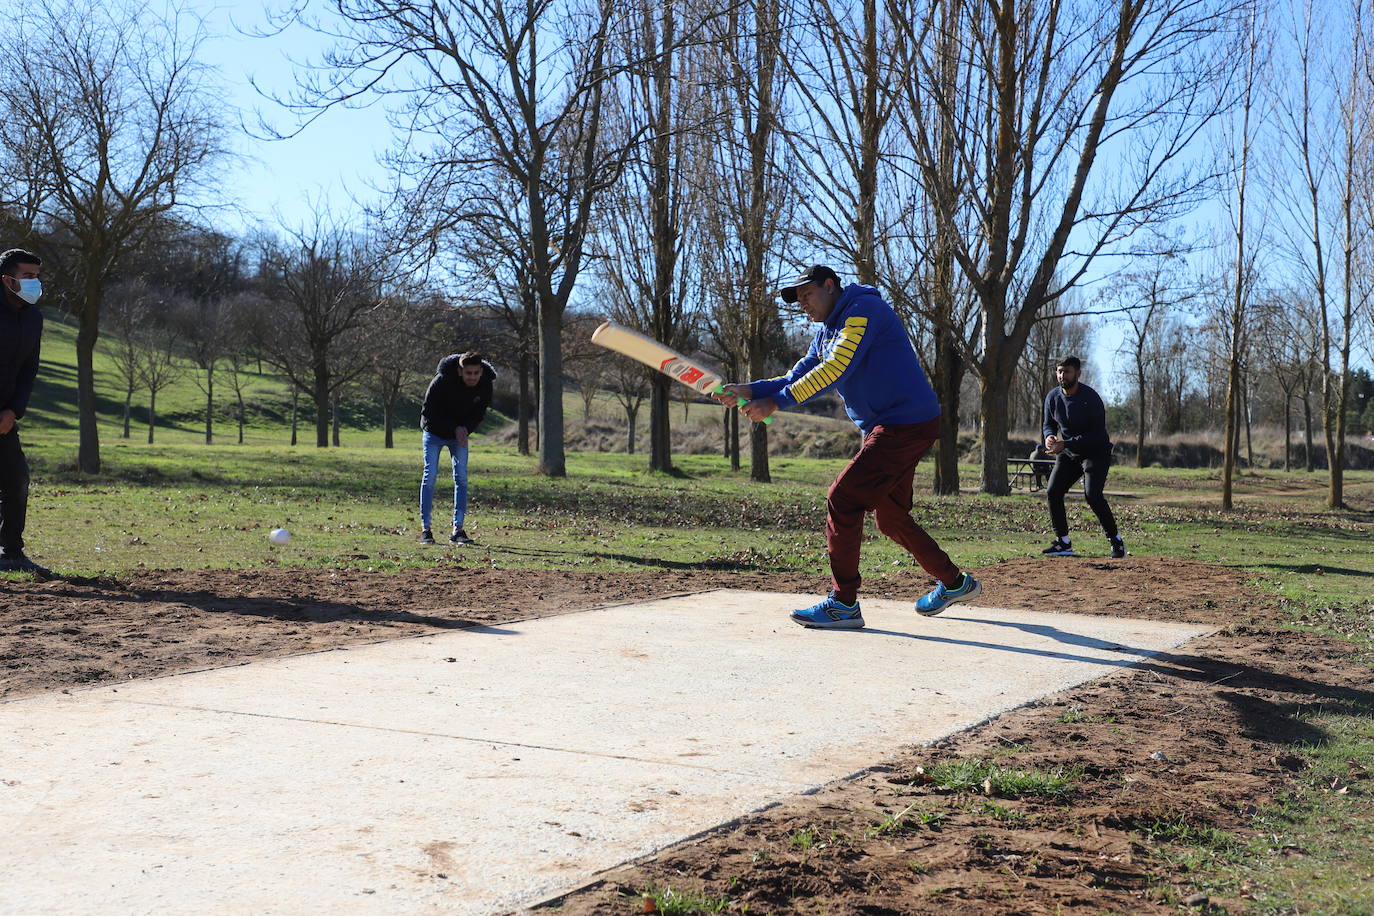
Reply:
x=21, y=329
x=1080, y=419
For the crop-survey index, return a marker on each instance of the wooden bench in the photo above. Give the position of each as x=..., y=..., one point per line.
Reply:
x=1025, y=471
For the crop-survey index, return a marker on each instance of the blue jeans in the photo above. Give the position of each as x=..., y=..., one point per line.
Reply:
x=433, y=445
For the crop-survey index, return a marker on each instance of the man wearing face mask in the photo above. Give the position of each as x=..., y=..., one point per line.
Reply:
x=863, y=351
x=21, y=328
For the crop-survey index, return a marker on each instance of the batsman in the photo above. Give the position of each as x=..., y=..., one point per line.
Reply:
x=862, y=350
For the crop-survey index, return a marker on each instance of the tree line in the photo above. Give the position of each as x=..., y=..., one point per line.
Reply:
x=1013, y=176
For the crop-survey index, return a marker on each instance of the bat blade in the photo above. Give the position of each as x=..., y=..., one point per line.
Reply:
x=651, y=353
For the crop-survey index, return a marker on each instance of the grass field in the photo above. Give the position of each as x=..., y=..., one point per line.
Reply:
x=185, y=505
x=182, y=504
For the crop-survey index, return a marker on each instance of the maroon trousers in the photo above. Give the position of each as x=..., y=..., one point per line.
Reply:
x=878, y=480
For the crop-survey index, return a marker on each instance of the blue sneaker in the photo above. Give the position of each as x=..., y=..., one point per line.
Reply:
x=830, y=615
x=941, y=597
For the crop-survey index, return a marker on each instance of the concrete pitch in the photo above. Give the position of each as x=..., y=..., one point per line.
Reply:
x=481, y=770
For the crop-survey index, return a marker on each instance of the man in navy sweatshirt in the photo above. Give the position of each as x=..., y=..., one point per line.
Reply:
x=21, y=329
x=862, y=350
x=1075, y=431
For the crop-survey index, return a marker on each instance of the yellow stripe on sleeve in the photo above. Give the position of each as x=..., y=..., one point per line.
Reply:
x=834, y=365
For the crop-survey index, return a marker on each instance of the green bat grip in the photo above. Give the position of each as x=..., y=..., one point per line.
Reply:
x=720, y=389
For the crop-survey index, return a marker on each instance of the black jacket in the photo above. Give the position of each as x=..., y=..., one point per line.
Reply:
x=1079, y=419
x=20, y=331
x=449, y=403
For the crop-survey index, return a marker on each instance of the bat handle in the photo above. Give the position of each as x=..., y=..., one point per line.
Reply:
x=739, y=402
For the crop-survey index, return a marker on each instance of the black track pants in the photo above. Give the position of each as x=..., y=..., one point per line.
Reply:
x=1067, y=469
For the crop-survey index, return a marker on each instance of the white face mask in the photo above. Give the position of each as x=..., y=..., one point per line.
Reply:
x=30, y=290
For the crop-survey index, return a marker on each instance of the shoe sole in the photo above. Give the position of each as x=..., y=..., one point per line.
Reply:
x=1058, y=553
x=857, y=624
x=952, y=599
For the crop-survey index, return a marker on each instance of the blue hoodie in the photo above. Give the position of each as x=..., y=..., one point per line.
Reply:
x=863, y=352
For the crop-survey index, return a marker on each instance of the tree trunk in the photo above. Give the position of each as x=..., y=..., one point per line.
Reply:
x=334, y=422
x=209, y=407
x=241, y=411
x=733, y=443
x=320, y=395
x=128, y=407
x=660, y=429
x=632, y=418
x=1140, y=398
x=949, y=373
x=388, y=422
x=993, y=409
x=552, y=461
x=1287, y=433
x=152, y=413
x=522, y=436
x=1308, y=463
x=88, y=451
x=1228, y=462
x=1249, y=444
x=295, y=413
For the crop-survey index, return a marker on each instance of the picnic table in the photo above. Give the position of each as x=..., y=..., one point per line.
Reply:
x=1029, y=472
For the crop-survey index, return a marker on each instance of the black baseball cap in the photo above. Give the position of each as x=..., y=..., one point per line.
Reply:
x=815, y=274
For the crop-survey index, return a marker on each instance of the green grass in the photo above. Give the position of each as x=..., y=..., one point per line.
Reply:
x=182, y=504
x=188, y=505
x=674, y=902
x=976, y=776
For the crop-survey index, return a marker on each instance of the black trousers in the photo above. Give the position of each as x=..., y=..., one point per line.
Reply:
x=1067, y=470
x=14, y=492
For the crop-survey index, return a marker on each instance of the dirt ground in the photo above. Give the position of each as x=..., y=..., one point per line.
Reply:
x=1200, y=736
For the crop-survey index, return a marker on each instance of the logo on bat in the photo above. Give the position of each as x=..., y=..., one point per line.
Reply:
x=687, y=373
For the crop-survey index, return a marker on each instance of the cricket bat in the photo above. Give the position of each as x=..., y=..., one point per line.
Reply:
x=654, y=354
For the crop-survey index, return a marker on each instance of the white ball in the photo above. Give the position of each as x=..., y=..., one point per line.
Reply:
x=279, y=536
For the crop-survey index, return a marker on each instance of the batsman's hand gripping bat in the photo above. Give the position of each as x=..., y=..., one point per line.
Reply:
x=654, y=354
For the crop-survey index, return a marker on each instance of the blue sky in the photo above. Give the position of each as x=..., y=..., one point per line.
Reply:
x=333, y=160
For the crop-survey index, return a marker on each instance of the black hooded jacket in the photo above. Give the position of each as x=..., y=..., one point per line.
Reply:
x=449, y=403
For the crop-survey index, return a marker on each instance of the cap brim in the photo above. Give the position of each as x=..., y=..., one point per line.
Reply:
x=788, y=294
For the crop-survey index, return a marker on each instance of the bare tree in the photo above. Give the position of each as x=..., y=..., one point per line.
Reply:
x=325, y=279
x=1279, y=339
x=1355, y=158
x=159, y=365
x=749, y=166
x=630, y=385
x=204, y=326
x=648, y=216
x=1045, y=90
x=588, y=365
x=242, y=312
x=126, y=315
x=110, y=122
x=1149, y=295
x=1251, y=71
x=400, y=355
x=494, y=94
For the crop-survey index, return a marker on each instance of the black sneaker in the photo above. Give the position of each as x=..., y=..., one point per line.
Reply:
x=426, y=536
x=1118, y=548
x=1060, y=548
x=15, y=561
x=459, y=536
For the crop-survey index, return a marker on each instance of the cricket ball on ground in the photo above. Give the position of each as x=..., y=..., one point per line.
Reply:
x=279, y=536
